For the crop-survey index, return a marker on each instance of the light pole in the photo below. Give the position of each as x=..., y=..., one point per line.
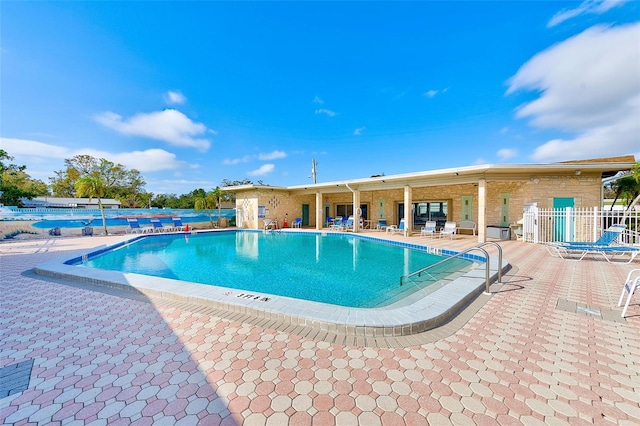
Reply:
x=314, y=163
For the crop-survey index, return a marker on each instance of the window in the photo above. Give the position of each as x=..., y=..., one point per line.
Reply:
x=431, y=210
x=346, y=210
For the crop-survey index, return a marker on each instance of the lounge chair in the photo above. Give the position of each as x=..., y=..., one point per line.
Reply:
x=135, y=228
x=297, y=223
x=429, y=228
x=604, y=246
x=382, y=225
x=348, y=225
x=157, y=226
x=631, y=284
x=449, y=229
x=607, y=238
x=337, y=223
x=577, y=253
x=177, y=224
x=396, y=229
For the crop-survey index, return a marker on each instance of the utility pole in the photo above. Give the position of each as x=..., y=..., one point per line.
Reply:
x=314, y=163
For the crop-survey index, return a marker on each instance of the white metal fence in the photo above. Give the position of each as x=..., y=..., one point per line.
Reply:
x=572, y=224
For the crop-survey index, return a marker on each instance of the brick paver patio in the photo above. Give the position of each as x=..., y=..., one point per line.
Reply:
x=548, y=347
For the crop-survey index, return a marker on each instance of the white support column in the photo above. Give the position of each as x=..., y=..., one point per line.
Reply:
x=408, y=213
x=357, y=213
x=482, y=210
x=319, y=212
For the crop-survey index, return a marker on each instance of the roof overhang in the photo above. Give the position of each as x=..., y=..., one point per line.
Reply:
x=453, y=176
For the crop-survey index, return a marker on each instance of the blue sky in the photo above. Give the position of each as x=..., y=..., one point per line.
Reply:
x=191, y=93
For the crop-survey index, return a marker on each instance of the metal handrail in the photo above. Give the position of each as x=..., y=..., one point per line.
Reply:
x=487, y=262
x=493, y=243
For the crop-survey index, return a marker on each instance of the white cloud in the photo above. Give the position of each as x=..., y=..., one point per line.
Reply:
x=234, y=161
x=149, y=160
x=589, y=85
x=596, y=7
x=29, y=148
x=433, y=92
x=272, y=155
x=174, y=98
x=317, y=100
x=359, y=130
x=326, y=111
x=479, y=161
x=263, y=170
x=169, y=125
x=506, y=153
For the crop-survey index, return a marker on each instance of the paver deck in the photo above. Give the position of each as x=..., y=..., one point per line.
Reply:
x=548, y=347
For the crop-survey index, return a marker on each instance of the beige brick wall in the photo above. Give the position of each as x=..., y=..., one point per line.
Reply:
x=585, y=189
x=279, y=204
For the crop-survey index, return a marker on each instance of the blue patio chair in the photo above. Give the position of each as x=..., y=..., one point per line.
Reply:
x=396, y=229
x=297, y=223
x=604, y=246
x=382, y=224
x=349, y=224
x=135, y=228
x=607, y=238
x=157, y=226
x=177, y=224
x=337, y=223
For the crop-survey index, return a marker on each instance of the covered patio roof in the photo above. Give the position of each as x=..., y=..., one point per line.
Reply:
x=458, y=175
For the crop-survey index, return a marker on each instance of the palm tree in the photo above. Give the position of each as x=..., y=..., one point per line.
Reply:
x=635, y=175
x=207, y=203
x=93, y=186
x=220, y=196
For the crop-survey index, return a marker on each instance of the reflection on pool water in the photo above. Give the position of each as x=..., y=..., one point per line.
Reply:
x=339, y=269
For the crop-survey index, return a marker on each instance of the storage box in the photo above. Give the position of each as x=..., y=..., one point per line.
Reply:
x=499, y=232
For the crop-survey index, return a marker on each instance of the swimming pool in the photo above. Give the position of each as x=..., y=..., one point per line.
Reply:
x=406, y=314
x=332, y=268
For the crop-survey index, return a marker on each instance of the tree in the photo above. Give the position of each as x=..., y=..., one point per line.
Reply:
x=119, y=182
x=231, y=196
x=16, y=184
x=635, y=175
x=206, y=203
x=93, y=185
x=624, y=188
x=100, y=178
x=220, y=196
x=21, y=180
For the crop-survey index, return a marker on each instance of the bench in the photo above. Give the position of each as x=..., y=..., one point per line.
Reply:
x=468, y=226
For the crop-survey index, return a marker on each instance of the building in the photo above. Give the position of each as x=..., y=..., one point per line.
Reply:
x=492, y=195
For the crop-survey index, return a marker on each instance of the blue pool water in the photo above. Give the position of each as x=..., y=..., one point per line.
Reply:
x=338, y=269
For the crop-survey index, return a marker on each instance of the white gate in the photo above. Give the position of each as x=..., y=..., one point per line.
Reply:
x=575, y=224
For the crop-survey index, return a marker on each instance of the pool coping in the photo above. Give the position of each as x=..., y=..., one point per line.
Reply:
x=428, y=312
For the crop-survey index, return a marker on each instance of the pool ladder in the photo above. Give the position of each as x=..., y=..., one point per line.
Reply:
x=478, y=248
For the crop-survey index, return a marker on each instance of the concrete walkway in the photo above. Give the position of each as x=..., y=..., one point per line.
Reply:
x=548, y=347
